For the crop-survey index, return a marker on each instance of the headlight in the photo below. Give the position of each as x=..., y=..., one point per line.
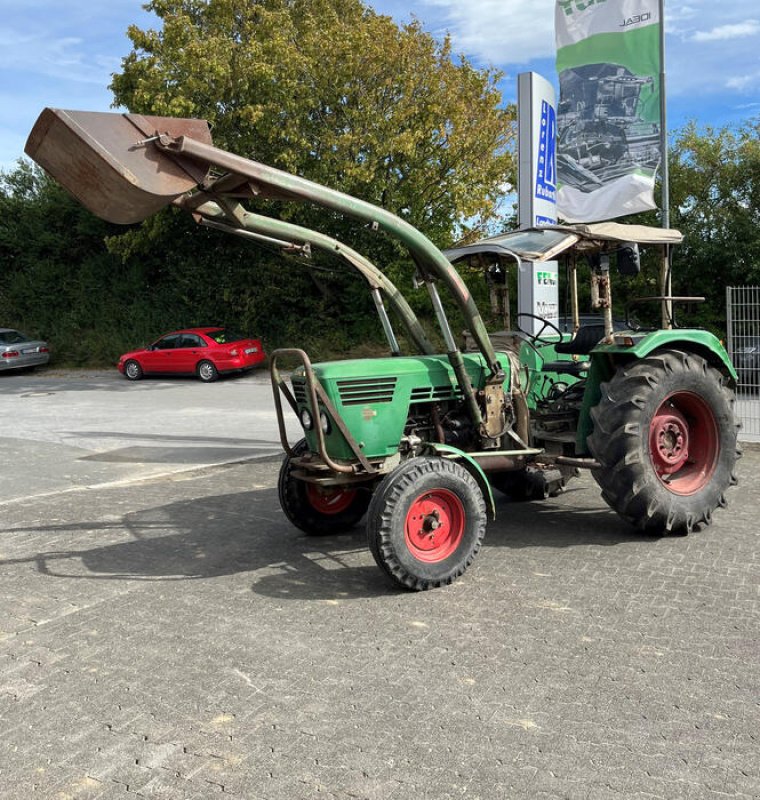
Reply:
x=324, y=422
x=306, y=420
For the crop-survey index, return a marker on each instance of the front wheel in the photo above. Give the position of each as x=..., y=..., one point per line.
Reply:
x=316, y=510
x=207, y=372
x=426, y=523
x=132, y=370
x=665, y=434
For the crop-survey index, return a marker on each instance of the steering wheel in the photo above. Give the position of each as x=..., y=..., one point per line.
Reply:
x=536, y=338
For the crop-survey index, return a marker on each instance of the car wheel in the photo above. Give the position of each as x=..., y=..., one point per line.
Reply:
x=132, y=371
x=207, y=372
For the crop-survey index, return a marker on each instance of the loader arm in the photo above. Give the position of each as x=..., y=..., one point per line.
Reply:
x=125, y=167
x=243, y=223
x=262, y=180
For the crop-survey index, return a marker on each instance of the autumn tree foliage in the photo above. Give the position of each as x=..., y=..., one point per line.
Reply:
x=332, y=91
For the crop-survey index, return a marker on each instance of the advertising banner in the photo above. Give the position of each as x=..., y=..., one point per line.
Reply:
x=608, y=118
x=536, y=146
x=537, y=283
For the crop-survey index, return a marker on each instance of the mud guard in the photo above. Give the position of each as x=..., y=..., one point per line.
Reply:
x=606, y=358
x=472, y=466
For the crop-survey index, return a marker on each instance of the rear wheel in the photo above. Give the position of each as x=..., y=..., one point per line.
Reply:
x=206, y=371
x=665, y=435
x=316, y=510
x=132, y=370
x=426, y=523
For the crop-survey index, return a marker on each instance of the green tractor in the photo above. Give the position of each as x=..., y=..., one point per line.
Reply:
x=417, y=443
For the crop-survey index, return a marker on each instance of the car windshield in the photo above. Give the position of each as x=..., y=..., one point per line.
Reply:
x=13, y=337
x=225, y=336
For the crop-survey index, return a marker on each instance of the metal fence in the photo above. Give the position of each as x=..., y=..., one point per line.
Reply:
x=743, y=318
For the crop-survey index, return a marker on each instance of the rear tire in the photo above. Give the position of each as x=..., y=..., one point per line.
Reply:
x=665, y=435
x=426, y=523
x=318, y=511
x=207, y=372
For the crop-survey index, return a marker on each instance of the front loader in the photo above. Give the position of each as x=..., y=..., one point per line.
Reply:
x=417, y=443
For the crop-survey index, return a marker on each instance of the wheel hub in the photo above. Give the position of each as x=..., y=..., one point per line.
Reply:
x=670, y=440
x=431, y=522
x=334, y=500
x=684, y=443
x=435, y=525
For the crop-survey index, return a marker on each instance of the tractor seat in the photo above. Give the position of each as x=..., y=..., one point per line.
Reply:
x=576, y=368
x=584, y=341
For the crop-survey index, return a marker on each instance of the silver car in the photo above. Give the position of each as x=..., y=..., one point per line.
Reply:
x=18, y=351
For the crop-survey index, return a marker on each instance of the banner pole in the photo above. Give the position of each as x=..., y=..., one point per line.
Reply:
x=664, y=125
x=666, y=278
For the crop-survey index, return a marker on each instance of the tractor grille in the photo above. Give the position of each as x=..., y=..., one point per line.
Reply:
x=426, y=393
x=299, y=390
x=366, y=390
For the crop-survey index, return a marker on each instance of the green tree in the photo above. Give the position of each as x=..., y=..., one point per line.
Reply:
x=715, y=201
x=332, y=91
x=335, y=92
x=59, y=280
x=324, y=88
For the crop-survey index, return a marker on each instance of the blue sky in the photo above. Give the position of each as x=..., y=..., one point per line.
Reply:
x=61, y=53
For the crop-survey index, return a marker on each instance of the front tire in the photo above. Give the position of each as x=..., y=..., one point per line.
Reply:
x=132, y=370
x=314, y=510
x=665, y=434
x=426, y=523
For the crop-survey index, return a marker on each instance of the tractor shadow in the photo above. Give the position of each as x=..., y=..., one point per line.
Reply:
x=204, y=539
x=576, y=518
x=246, y=533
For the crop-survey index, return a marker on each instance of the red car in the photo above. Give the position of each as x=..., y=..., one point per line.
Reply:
x=205, y=352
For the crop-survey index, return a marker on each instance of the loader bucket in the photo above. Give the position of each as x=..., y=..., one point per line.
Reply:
x=102, y=159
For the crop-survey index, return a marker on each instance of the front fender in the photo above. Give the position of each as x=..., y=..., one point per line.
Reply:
x=472, y=466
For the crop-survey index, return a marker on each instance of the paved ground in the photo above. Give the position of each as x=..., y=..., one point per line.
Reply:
x=74, y=430
x=174, y=637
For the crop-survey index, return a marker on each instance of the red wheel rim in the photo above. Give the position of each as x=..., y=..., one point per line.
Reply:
x=434, y=525
x=683, y=443
x=329, y=501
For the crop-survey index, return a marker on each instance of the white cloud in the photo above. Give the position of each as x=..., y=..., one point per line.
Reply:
x=499, y=31
x=47, y=55
x=741, y=83
x=721, y=33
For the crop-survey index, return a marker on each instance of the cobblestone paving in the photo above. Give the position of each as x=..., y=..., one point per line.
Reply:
x=178, y=639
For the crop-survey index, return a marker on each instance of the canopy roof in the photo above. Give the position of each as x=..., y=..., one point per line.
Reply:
x=546, y=243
